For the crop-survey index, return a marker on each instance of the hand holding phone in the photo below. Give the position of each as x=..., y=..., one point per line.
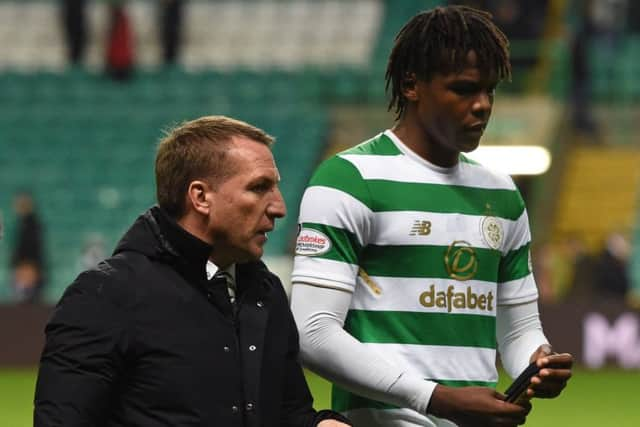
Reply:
x=520, y=384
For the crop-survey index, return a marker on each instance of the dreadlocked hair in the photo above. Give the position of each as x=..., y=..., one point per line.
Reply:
x=438, y=41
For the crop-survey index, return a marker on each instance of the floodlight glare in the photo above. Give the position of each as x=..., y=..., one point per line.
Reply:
x=513, y=159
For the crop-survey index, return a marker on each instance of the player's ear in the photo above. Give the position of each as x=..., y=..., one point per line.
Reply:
x=410, y=87
x=199, y=196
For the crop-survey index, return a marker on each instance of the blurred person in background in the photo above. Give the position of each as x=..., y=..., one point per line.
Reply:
x=580, y=280
x=563, y=270
x=543, y=263
x=74, y=22
x=27, y=258
x=120, y=37
x=120, y=43
x=611, y=268
x=412, y=261
x=581, y=32
x=171, y=13
x=608, y=21
x=184, y=325
x=595, y=25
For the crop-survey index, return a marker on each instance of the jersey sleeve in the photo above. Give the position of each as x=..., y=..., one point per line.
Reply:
x=334, y=225
x=516, y=283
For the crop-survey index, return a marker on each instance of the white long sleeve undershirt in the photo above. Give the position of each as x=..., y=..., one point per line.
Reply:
x=330, y=351
x=519, y=334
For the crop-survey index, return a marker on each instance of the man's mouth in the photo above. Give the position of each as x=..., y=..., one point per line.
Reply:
x=475, y=131
x=265, y=233
x=477, y=127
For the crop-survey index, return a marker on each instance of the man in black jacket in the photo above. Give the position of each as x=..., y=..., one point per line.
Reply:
x=183, y=325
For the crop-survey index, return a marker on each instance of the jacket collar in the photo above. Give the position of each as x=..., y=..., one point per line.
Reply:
x=158, y=236
x=188, y=253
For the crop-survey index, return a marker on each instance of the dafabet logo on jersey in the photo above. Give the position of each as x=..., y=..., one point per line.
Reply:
x=312, y=242
x=459, y=300
x=461, y=261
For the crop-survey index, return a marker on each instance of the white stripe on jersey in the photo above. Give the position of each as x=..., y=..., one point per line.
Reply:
x=468, y=174
x=441, y=362
x=518, y=291
x=344, y=211
x=324, y=272
x=394, y=227
x=517, y=234
x=403, y=294
x=398, y=169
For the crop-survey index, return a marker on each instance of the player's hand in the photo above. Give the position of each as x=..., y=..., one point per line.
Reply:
x=332, y=423
x=555, y=371
x=477, y=407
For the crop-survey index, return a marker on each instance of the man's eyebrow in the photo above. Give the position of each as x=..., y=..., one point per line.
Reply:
x=473, y=82
x=265, y=179
x=466, y=79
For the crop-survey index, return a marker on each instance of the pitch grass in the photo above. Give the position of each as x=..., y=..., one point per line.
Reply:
x=593, y=398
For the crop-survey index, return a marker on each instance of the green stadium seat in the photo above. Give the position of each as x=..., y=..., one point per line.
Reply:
x=85, y=145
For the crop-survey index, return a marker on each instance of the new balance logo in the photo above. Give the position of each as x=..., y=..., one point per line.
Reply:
x=420, y=228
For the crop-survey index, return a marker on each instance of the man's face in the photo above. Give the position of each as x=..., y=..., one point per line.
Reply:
x=246, y=204
x=453, y=109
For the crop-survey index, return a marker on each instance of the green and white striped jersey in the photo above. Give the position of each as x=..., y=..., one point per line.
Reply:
x=428, y=253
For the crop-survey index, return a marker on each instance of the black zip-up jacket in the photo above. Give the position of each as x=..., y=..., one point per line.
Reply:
x=145, y=340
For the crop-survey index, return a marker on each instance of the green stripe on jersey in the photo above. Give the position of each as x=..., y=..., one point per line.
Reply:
x=342, y=175
x=344, y=244
x=380, y=145
x=439, y=198
x=342, y=400
x=515, y=264
x=424, y=261
x=461, y=383
x=339, y=173
x=407, y=327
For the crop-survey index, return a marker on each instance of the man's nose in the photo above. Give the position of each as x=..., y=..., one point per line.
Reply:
x=277, y=207
x=482, y=105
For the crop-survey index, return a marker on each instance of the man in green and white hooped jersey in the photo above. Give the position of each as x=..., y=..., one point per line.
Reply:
x=412, y=262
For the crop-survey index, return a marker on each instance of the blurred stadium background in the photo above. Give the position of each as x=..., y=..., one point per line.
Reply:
x=79, y=135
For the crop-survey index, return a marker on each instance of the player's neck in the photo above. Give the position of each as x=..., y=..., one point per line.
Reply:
x=413, y=136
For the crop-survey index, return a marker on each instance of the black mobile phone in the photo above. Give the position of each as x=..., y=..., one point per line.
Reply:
x=521, y=383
